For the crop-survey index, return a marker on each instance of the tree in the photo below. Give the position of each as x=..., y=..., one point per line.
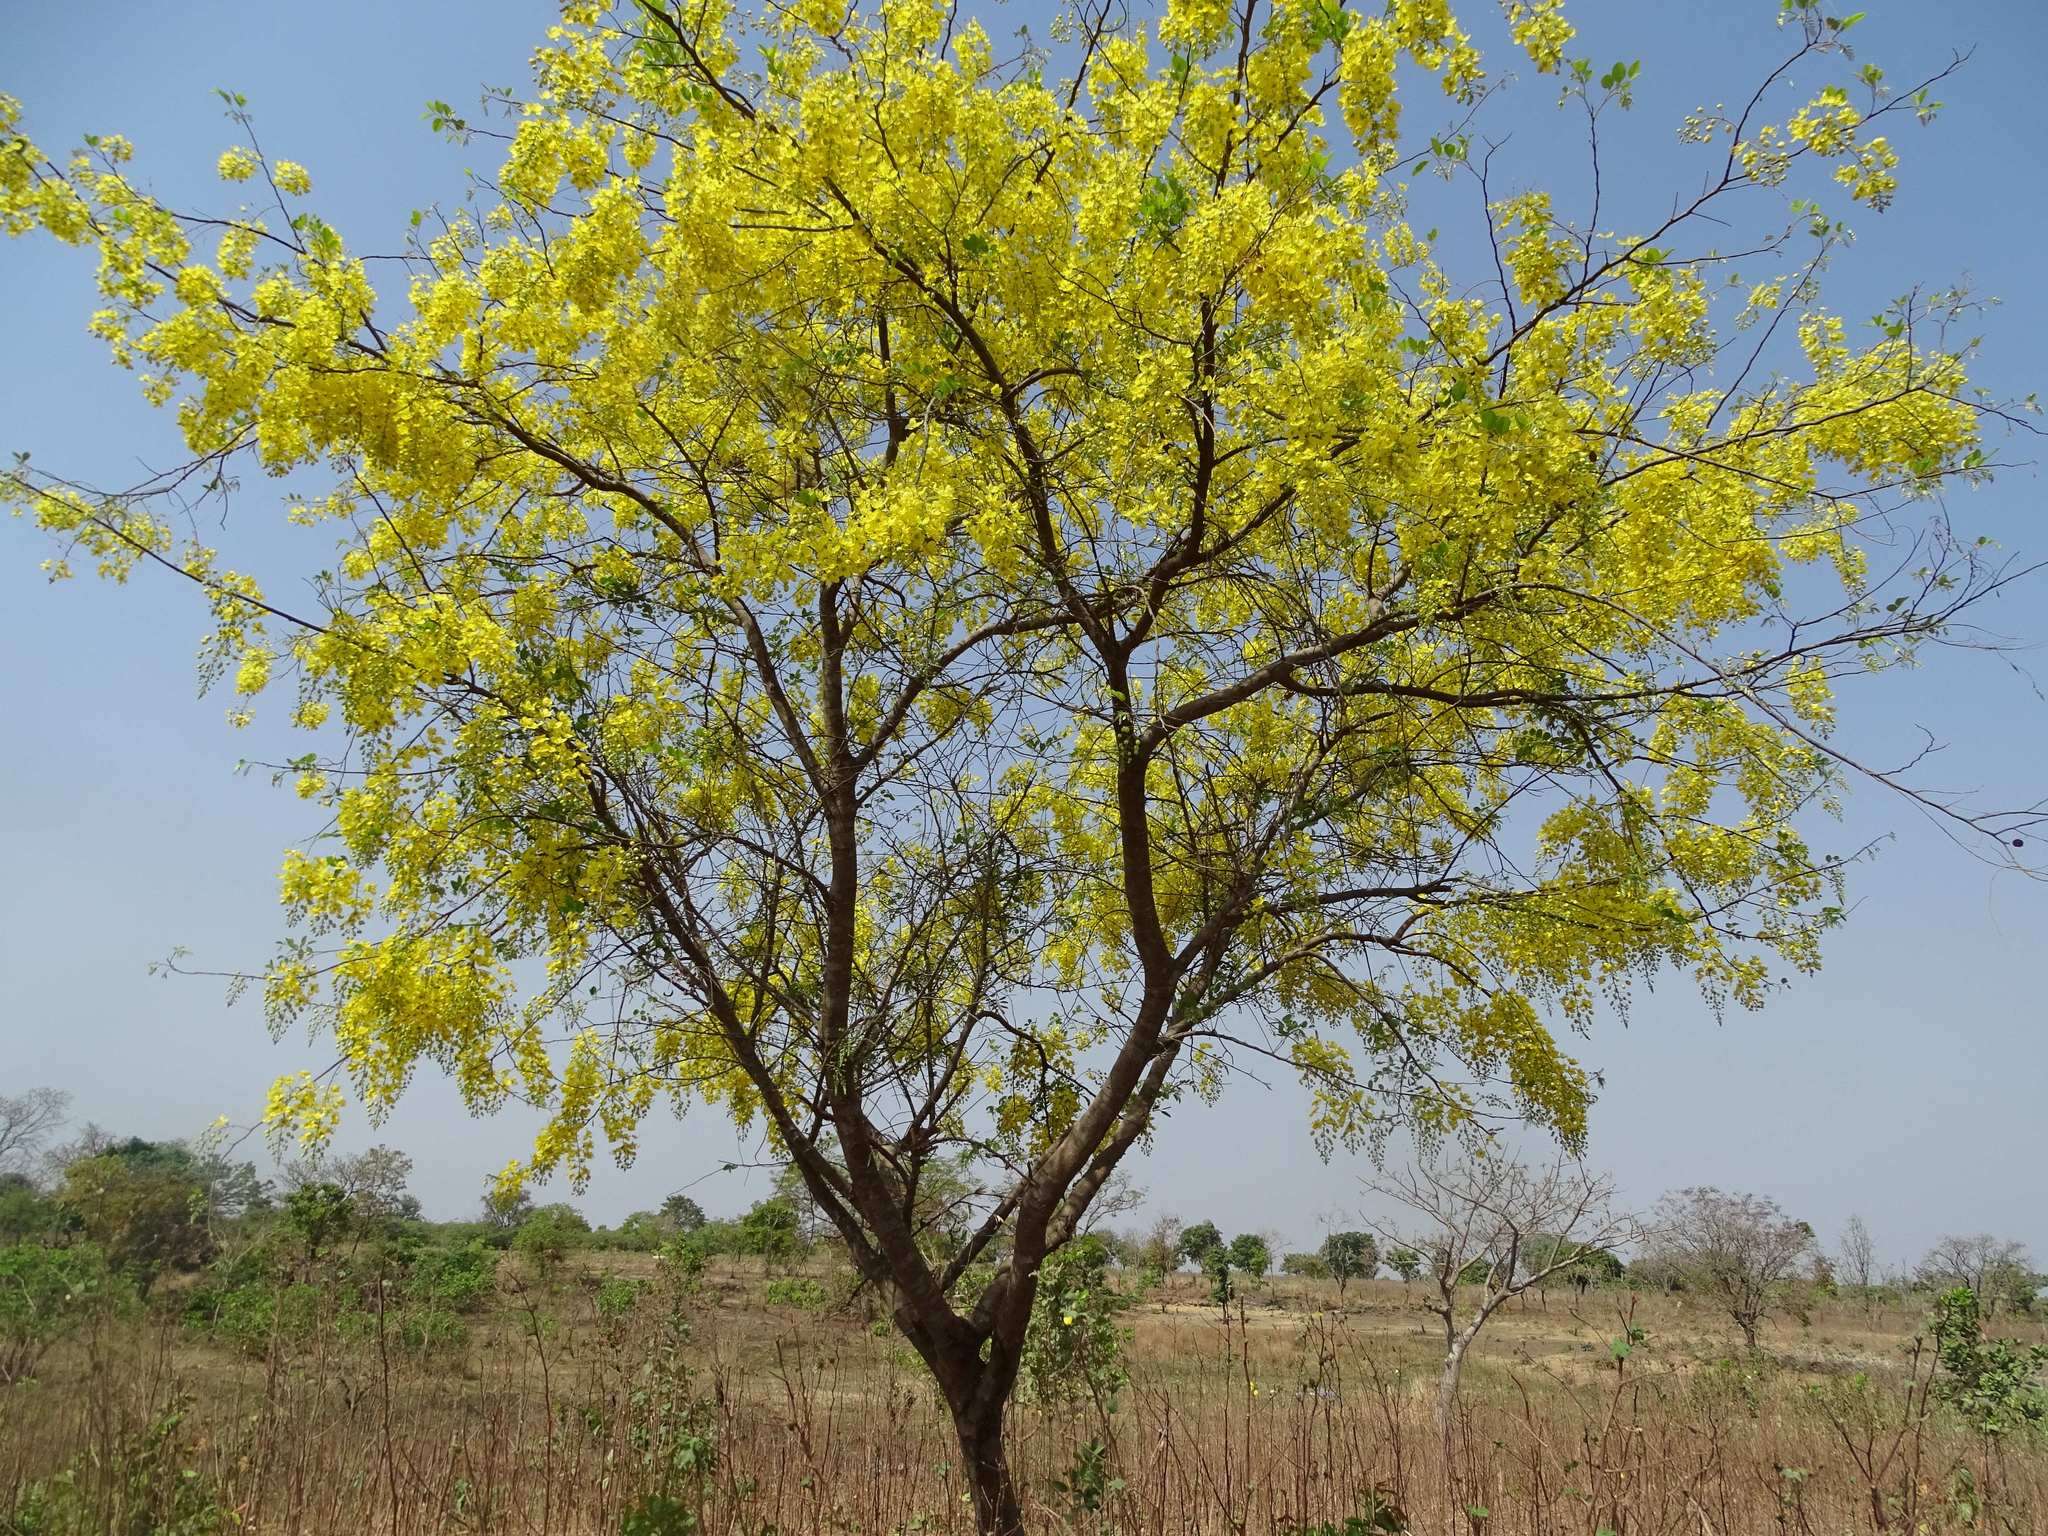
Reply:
x=1350, y=1256
x=1040, y=539
x=1739, y=1250
x=681, y=1214
x=27, y=1122
x=1197, y=1243
x=1309, y=1266
x=550, y=1235
x=1406, y=1263
x=1859, y=1258
x=317, y=1212
x=1998, y=1269
x=1157, y=1249
x=144, y=1204
x=373, y=1182
x=505, y=1209
x=1490, y=1222
x=1250, y=1252
x=772, y=1230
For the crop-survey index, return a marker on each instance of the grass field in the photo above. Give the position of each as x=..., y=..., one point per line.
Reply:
x=613, y=1396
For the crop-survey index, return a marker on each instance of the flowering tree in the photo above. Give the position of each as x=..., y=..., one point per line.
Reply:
x=926, y=599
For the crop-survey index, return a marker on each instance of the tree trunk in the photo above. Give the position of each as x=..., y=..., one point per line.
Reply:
x=1447, y=1383
x=986, y=1465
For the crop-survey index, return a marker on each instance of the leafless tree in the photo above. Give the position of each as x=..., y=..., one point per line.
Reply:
x=374, y=1181
x=1524, y=1224
x=1859, y=1257
x=1739, y=1250
x=1994, y=1267
x=27, y=1121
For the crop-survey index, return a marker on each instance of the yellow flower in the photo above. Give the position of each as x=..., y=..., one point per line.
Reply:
x=292, y=177
x=236, y=164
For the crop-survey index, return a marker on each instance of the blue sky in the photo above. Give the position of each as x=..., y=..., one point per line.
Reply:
x=1906, y=1082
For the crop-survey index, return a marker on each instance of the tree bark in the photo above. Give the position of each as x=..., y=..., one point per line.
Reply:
x=986, y=1465
x=1447, y=1382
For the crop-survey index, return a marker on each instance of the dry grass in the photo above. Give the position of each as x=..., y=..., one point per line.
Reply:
x=1275, y=1416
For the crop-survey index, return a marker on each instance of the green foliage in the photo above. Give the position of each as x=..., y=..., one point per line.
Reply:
x=144, y=1205
x=317, y=1214
x=150, y=1482
x=1309, y=1266
x=615, y=1297
x=682, y=1214
x=1381, y=1515
x=27, y=1215
x=799, y=1291
x=457, y=1280
x=1477, y=1272
x=657, y=1515
x=1074, y=1344
x=1216, y=1265
x=549, y=1235
x=1994, y=1383
x=770, y=1230
x=45, y=1295
x=640, y=1232
x=1350, y=1256
x=1197, y=1243
x=1250, y=1253
x=1406, y=1263
x=506, y=1211
x=1088, y=1484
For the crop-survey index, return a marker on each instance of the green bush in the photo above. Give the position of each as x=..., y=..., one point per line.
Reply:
x=252, y=1318
x=1994, y=1383
x=1073, y=1344
x=796, y=1291
x=45, y=1294
x=459, y=1280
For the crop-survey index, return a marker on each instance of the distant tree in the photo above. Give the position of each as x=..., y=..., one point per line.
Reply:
x=1216, y=1265
x=1250, y=1252
x=1997, y=1269
x=373, y=1180
x=1739, y=1250
x=144, y=1204
x=1582, y=1265
x=1476, y=1271
x=1494, y=1223
x=1306, y=1266
x=1859, y=1258
x=317, y=1213
x=1406, y=1263
x=1158, y=1248
x=771, y=1230
x=640, y=1232
x=681, y=1214
x=506, y=1210
x=27, y=1122
x=549, y=1235
x=1197, y=1243
x=26, y=1213
x=1350, y=1256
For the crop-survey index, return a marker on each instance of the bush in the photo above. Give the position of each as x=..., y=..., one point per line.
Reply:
x=796, y=1291
x=1994, y=1383
x=253, y=1317
x=45, y=1294
x=549, y=1235
x=459, y=1280
x=1073, y=1345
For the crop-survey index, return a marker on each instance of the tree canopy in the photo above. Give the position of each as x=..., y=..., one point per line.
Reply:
x=926, y=600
